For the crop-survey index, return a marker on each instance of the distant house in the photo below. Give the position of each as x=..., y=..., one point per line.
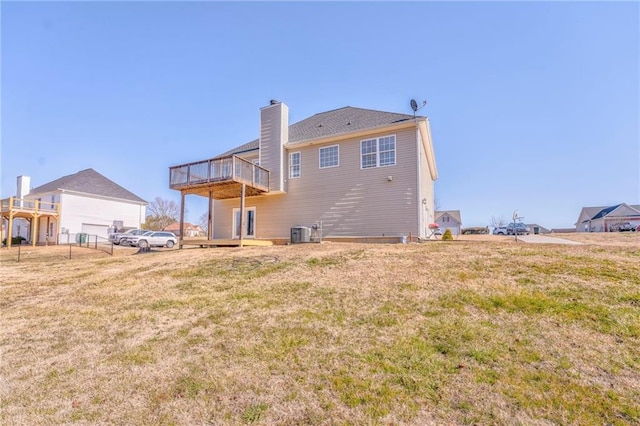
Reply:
x=347, y=173
x=190, y=230
x=84, y=202
x=449, y=219
x=600, y=219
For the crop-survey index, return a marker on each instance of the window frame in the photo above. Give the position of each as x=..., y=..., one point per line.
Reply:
x=291, y=165
x=337, y=147
x=377, y=152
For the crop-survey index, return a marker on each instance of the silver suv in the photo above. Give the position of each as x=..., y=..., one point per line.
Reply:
x=152, y=238
x=518, y=228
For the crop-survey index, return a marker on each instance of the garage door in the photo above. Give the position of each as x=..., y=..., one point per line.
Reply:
x=99, y=230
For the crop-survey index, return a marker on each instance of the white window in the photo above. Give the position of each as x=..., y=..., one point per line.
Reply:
x=378, y=152
x=294, y=165
x=445, y=219
x=249, y=223
x=329, y=156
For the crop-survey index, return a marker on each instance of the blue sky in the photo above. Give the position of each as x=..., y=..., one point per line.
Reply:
x=533, y=106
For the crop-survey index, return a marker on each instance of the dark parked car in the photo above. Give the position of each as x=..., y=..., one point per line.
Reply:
x=518, y=228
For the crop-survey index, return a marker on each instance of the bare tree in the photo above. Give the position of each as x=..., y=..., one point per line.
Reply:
x=498, y=222
x=204, y=222
x=162, y=213
x=436, y=204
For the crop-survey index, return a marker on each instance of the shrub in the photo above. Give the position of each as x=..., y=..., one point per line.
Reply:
x=15, y=241
x=447, y=236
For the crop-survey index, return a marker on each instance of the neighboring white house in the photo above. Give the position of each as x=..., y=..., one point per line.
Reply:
x=190, y=230
x=600, y=219
x=350, y=172
x=84, y=202
x=449, y=219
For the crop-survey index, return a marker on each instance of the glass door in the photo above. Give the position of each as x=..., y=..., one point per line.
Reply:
x=249, y=223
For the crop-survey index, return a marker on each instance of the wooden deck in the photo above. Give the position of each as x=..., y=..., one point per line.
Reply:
x=203, y=242
x=220, y=178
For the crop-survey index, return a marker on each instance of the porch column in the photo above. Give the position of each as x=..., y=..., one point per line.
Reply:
x=34, y=230
x=181, y=237
x=57, y=229
x=10, y=228
x=242, y=212
x=34, y=225
x=210, y=219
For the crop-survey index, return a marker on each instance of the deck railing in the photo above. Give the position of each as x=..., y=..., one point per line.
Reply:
x=28, y=205
x=224, y=169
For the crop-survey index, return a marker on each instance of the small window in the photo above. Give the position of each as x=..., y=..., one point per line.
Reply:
x=445, y=218
x=378, y=152
x=329, y=156
x=294, y=165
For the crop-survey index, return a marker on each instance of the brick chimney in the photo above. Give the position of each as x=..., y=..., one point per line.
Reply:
x=274, y=133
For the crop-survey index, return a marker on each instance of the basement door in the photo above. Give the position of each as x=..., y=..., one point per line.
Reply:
x=249, y=223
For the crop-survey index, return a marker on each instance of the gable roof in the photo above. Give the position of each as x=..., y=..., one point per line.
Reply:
x=175, y=226
x=605, y=211
x=89, y=182
x=331, y=123
x=592, y=213
x=455, y=214
x=342, y=121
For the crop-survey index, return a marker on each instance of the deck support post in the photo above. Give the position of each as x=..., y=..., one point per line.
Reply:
x=210, y=218
x=10, y=228
x=34, y=225
x=242, y=194
x=181, y=237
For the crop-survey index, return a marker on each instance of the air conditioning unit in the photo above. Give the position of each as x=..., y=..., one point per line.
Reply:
x=300, y=234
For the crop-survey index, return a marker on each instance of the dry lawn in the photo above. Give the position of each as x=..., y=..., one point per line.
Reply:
x=462, y=332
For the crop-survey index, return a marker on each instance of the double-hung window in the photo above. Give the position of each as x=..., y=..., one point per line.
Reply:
x=329, y=156
x=294, y=165
x=378, y=152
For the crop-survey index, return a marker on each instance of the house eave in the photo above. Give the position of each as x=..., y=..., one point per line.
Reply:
x=350, y=135
x=102, y=197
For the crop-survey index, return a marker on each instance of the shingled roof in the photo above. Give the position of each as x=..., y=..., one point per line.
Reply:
x=89, y=182
x=331, y=123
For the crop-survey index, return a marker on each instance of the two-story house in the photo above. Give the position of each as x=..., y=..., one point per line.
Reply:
x=352, y=172
x=85, y=202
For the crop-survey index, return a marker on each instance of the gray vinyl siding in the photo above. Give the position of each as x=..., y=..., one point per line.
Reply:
x=348, y=200
x=273, y=131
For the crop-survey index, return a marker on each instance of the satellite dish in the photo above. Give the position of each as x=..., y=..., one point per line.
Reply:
x=414, y=106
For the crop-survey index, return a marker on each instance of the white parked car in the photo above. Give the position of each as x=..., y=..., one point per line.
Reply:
x=151, y=239
x=117, y=237
x=500, y=230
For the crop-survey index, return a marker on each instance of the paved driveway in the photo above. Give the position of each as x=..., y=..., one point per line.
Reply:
x=543, y=239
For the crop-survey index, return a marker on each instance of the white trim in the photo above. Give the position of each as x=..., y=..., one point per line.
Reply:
x=320, y=156
x=234, y=224
x=291, y=154
x=377, y=151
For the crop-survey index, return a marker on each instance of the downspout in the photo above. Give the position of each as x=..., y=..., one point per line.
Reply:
x=420, y=207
